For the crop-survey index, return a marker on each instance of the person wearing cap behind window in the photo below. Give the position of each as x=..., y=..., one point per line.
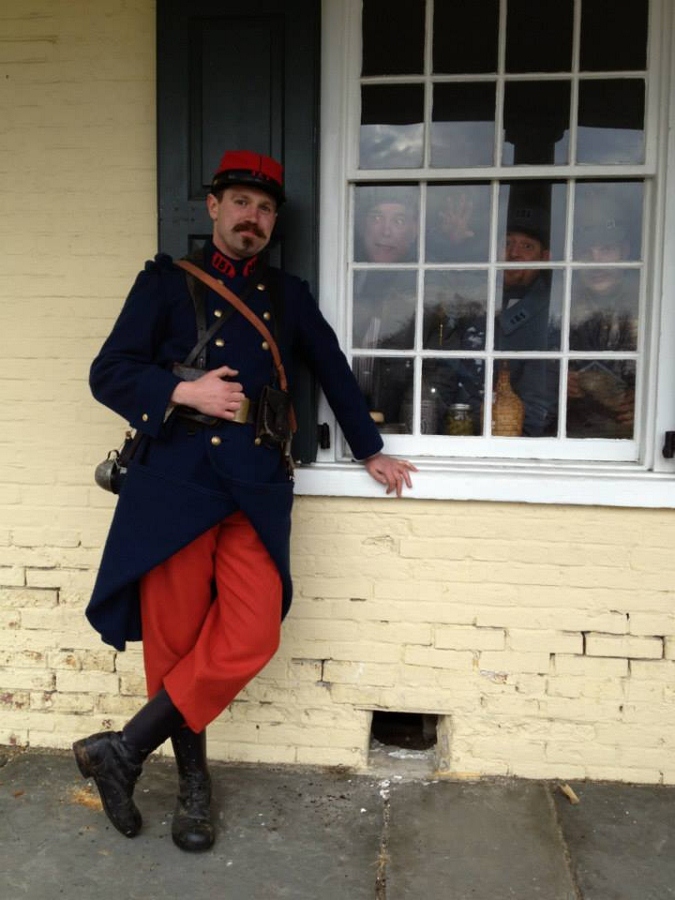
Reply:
x=522, y=323
x=196, y=563
x=521, y=320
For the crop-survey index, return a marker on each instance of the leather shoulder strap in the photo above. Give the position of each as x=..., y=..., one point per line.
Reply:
x=241, y=307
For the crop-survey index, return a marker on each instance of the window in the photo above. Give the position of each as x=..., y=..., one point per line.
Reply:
x=498, y=274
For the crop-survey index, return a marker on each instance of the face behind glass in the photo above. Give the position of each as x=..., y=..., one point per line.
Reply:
x=521, y=247
x=600, y=280
x=389, y=233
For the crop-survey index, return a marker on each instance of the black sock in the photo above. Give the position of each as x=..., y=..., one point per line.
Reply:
x=152, y=724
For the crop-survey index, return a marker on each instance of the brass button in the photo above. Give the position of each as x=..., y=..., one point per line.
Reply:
x=217, y=313
x=145, y=417
x=215, y=440
x=265, y=345
x=257, y=442
x=260, y=287
x=220, y=342
x=267, y=315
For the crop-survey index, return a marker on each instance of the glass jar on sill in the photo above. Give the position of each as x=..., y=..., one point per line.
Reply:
x=458, y=420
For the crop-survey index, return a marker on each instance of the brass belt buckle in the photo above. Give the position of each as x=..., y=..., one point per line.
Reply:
x=241, y=415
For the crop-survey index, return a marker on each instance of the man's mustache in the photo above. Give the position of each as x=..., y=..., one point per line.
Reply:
x=250, y=226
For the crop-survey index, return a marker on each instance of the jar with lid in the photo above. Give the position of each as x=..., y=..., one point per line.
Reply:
x=458, y=419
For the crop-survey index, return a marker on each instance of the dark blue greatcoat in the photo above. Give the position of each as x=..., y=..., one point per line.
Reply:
x=184, y=484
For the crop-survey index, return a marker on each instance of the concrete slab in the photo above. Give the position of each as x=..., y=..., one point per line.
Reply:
x=308, y=834
x=621, y=840
x=284, y=833
x=483, y=841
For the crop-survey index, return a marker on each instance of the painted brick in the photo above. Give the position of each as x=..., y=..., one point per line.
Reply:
x=590, y=667
x=462, y=637
x=651, y=623
x=442, y=659
x=97, y=682
x=628, y=647
x=511, y=661
x=523, y=639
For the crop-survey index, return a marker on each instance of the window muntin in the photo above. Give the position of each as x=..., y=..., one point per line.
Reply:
x=452, y=330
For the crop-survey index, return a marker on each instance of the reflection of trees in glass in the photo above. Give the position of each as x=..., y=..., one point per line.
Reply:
x=455, y=323
x=606, y=331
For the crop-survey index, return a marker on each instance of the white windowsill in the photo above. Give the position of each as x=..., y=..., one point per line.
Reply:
x=615, y=485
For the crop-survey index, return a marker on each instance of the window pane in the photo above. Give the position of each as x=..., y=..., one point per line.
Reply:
x=386, y=223
x=393, y=37
x=455, y=306
x=536, y=122
x=535, y=210
x=613, y=35
x=387, y=384
x=463, y=129
x=465, y=37
x=391, y=126
x=608, y=221
x=384, y=309
x=525, y=397
x=458, y=222
x=611, y=121
x=604, y=312
x=539, y=36
x=447, y=382
x=529, y=309
x=601, y=399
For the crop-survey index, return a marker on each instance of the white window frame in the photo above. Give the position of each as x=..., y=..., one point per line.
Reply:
x=648, y=483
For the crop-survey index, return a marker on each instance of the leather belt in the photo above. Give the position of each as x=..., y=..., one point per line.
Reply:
x=245, y=415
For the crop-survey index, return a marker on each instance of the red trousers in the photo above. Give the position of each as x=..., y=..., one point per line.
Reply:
x=201, y=649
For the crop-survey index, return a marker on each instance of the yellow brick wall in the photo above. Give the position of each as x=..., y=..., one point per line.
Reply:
x=543, y=637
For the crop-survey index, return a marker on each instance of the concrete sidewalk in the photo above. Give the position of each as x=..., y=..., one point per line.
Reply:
x=327, y=835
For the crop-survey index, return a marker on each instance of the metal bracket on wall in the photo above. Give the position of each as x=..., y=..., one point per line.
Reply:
x=324, y=435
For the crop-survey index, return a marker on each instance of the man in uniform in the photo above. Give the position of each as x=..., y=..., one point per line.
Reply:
x=197, y=558
x=523, y=321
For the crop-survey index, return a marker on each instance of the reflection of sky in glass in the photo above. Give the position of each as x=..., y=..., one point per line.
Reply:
x=462, y=144
x=391, y=146
x=610, y=145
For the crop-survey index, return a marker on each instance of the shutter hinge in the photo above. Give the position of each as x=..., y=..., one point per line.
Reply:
x=324, y=435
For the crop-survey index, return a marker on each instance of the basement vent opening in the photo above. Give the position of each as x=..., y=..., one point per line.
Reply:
x=405, y=730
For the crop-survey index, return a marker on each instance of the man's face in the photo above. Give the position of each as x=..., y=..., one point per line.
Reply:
x=521, y=247
x=243, y=220
x=389, y=233
x=602, y=280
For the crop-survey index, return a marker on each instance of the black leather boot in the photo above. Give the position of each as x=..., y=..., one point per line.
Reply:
x=115, y=767
x=114, y=759
x=192, y=828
